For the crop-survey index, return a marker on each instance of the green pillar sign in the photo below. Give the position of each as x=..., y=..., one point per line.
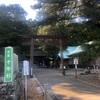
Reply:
x=8, y=71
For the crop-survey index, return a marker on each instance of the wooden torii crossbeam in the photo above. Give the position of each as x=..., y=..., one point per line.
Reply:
x=32, y=43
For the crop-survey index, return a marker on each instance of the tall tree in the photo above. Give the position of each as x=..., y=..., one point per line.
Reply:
x=56, y=16
x=12, y=24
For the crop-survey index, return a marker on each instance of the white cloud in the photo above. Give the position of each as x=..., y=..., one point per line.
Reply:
x=25, y=4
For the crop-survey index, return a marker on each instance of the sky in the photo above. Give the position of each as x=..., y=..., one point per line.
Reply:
x=25, y=4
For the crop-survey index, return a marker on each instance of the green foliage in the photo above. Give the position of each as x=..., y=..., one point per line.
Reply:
x=54, y=18
x=12, y=24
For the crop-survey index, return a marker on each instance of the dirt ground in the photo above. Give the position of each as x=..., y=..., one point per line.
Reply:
x=32, y=91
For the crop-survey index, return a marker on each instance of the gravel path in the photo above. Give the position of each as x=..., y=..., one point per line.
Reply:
x=67, y=86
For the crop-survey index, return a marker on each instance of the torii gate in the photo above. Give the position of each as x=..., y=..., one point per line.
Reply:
x=34, y=42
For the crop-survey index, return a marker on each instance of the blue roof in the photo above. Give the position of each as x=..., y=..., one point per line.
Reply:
x=77, y=50
x=65, y=54
x=71, y=50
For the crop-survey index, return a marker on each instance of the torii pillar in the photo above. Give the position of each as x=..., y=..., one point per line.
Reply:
x=61, y=56
x=31, y=57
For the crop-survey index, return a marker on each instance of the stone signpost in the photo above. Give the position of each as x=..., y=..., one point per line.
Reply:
x=11, y=71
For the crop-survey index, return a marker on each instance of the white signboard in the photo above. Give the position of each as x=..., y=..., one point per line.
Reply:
x=76, y=61
x=25, y=67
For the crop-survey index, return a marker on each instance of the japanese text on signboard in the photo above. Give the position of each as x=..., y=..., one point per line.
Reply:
x=8, y=64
